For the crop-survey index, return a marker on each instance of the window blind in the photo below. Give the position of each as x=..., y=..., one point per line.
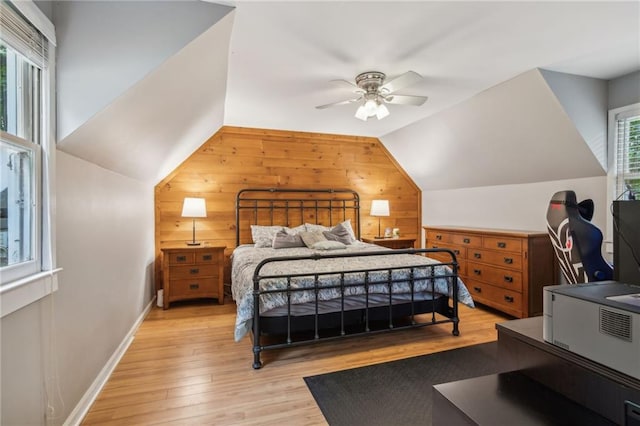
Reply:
x=627, y=153
x=22, y=36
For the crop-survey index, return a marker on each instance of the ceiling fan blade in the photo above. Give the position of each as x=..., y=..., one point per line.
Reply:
x=348, y=101
x=346, y=83
x=405, y=99
x=403, y=80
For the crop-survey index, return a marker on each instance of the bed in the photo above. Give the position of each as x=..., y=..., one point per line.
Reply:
x=300, y=274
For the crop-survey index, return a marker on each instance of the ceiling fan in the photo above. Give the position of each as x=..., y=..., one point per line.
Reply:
x=375, y=93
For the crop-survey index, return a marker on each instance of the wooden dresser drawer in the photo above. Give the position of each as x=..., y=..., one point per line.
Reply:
x=505, y=278
x=503, y=259
x=437, y=236
x=499, y=243
x=460, y=252
x=505, y=300
x=464, y=240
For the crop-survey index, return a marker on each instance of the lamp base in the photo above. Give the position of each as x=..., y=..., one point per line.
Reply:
x=193, y=243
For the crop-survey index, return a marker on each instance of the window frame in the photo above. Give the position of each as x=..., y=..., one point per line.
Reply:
x=612, y=165
x=20, y=292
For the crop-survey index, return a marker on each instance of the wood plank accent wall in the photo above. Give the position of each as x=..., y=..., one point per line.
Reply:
x=236, y=158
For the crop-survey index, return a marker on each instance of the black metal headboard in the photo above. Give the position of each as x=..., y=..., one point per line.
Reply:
x=292, y=207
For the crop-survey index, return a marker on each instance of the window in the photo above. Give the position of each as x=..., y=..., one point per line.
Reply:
x=27, y=155
x=627, y=157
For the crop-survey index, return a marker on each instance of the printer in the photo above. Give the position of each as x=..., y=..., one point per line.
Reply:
x=597, y=320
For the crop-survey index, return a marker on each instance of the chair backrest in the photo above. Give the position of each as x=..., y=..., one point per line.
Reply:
x=576, y=241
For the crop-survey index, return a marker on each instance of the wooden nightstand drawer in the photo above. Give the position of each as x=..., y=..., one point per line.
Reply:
x=181, y=258
x=190, y=271
x=506, y=259
x=200, y=287
x=506, y=244
x=505, y=278
x=207, y=257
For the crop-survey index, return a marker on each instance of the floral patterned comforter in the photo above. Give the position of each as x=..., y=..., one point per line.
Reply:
x=245, y=258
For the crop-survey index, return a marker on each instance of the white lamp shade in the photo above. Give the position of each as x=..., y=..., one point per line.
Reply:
x=380, y=208
x=194, y=207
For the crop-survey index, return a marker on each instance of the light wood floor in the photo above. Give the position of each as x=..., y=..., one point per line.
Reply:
x=184, y=368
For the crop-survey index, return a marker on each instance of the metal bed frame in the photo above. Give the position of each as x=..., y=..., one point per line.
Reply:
x=327, y=206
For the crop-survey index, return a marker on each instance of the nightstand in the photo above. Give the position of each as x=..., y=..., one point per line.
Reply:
x=192, y=273
x=393, y=243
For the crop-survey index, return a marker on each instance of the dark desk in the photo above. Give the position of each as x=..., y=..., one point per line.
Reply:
x=539, y=384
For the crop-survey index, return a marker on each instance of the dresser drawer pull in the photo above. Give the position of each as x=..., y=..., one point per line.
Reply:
x=477, y=289
x=477, y=255
x=207, y=257
x=194, y=286
x=466, y=240
x=438, y=237
x=502, y=245
x=477, y=271
x=508, y=279
x=508, y=299
x=457, y=252
x=181, y=258
x=194, y=270
x=508, y=260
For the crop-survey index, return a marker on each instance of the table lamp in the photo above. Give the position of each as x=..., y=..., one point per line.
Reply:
x=194, y=207
x=379, y=208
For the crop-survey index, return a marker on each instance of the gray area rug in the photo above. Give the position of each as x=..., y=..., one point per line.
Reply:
x=397, y=392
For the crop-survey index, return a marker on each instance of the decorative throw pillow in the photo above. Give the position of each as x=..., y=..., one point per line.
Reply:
x=310, y=238
x=263, y=235
x=283, y=239
x=298, y=229
x=328, y=245
x=349, y=228
x=339, y=233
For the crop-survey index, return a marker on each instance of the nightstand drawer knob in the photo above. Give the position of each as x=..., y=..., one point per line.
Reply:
x=194, y=286
x=194, y=270
x=508, y=260
x=207, y=257
x=508, y=299
x=181, y=258
x=508, y=279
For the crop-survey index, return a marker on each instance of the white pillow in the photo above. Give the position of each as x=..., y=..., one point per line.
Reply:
x=263, y=235
x=328, y=245
x=296, y=230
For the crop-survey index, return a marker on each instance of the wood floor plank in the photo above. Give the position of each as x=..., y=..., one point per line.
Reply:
x=184, y=368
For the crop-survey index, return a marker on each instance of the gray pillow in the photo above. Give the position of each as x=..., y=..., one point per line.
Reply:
x=284, y=240
x=339, y=233
x=310, y=238
x=328, y=245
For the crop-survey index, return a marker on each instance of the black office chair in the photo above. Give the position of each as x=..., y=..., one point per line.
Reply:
x=576, y=241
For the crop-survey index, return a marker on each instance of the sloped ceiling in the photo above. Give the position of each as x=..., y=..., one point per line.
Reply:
x=513, y=133
x=268, y=64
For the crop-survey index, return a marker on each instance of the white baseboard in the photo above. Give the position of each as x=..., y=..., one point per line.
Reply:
x=83, y=406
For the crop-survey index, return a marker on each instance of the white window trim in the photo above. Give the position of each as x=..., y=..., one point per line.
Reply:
x=611, y=167
x=17, y=294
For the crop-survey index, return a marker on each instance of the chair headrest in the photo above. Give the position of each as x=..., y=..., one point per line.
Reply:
x=584, y=208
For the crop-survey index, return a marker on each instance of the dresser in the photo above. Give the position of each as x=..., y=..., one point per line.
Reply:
x=503, y=269
x=192, y=273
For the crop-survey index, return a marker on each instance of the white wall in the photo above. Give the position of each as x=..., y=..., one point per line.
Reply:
x=105, y=243
x=624, y=90
x=518, y=207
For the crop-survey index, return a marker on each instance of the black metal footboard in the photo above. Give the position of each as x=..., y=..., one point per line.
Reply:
x=402, y=287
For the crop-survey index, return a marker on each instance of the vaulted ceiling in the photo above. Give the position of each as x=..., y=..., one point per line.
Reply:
x=268, y=64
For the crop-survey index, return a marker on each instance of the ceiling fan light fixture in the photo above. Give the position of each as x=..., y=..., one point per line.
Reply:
x=361, y=113
x=382, y=112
